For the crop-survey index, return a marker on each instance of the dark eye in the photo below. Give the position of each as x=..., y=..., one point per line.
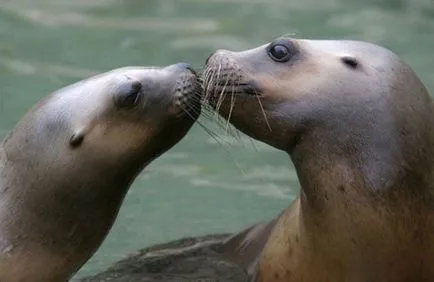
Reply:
x=129, y=95
x=282, y=50
x=279, y=53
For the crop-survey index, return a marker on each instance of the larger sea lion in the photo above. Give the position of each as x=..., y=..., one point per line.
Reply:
x=67, y=165
x=357, y=123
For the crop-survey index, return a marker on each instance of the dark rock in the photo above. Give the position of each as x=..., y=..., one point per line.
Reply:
x=185, y=260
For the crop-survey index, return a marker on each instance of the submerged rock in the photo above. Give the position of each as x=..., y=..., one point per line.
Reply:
x=185, y=260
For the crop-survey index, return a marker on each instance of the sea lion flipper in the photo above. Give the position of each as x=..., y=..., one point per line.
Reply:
x=245, y=247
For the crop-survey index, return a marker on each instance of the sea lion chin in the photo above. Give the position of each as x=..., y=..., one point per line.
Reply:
x=67, y=165
x=356, y=122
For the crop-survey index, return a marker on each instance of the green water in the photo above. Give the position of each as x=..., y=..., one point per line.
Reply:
x=199, y=186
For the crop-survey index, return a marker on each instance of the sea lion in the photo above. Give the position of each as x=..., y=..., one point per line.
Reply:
x=356, y=122
x=67, y=165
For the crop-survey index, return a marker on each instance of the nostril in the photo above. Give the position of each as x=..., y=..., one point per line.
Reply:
x=209, y=57
x=219, y=55
x=192, y=70
x=183, y=65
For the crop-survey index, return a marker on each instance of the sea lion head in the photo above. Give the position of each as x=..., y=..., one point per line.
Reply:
x=142, y=112
x=280, y=91
x=67, y=165
x=122, y=118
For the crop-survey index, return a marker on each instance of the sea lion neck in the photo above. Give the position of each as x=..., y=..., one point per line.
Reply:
x=354, y=154
x=356, y=122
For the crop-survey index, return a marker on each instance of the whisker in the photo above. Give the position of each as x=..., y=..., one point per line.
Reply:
x=213, y=83
x=208, y=131
x=215, y=89
x=221, y=93
x=209, y=114
x=263, y=112
x=253, y=144
x=215, y=137
x=231, y=108
x=209, y=79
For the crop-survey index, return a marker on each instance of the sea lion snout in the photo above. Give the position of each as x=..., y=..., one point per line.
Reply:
x=174, y=90
x=185, y=66
x=210, y=56
x=225, y=74
x=224, y=60
x=186, y=95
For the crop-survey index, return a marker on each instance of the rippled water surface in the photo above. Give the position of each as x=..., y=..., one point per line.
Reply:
x=200, y=186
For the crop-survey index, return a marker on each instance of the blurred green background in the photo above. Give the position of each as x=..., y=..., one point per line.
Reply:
x=200, y=186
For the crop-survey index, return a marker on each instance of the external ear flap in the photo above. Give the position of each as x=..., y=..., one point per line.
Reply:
x=351, y=62
x=76, y=139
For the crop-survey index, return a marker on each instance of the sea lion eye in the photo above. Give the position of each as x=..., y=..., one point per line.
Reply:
x=279, y=53
x=129, y=95
x=282, y=50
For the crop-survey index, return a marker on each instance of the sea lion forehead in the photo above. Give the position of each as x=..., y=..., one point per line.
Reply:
x=332, y=47
x=107, y=81
x=342, y=45
x=136, y=70
x=90, y=97
x=139, y=72
x=365, y=52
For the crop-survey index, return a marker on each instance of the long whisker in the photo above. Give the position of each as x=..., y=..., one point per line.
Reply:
x=215, y=89
x=231, y=108
x=212, y=134
x=215, y=137
x=263, y=111
x=213, y=75
x=253, y=144
x=209, y=74
x=210, y=117
x=223, y=92
x=207, y=110
x=211, y=81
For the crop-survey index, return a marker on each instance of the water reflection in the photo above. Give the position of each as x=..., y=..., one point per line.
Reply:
x=200, y=186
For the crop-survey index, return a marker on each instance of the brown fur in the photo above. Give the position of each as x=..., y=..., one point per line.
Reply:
x=59, y=199
x=362, y=142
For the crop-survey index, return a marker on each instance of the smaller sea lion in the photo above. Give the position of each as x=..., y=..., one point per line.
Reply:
x=67, y=165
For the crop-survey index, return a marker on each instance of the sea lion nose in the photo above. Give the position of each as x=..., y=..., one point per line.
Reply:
x=209, y=57
x=218, y=54
x=184, y=66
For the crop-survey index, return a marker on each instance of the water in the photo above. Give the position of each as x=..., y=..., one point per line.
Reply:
x=199, y=186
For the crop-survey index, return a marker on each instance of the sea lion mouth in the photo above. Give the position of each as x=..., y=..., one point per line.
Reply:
x=219, y=92
x=223, y=78
x=232, y=87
